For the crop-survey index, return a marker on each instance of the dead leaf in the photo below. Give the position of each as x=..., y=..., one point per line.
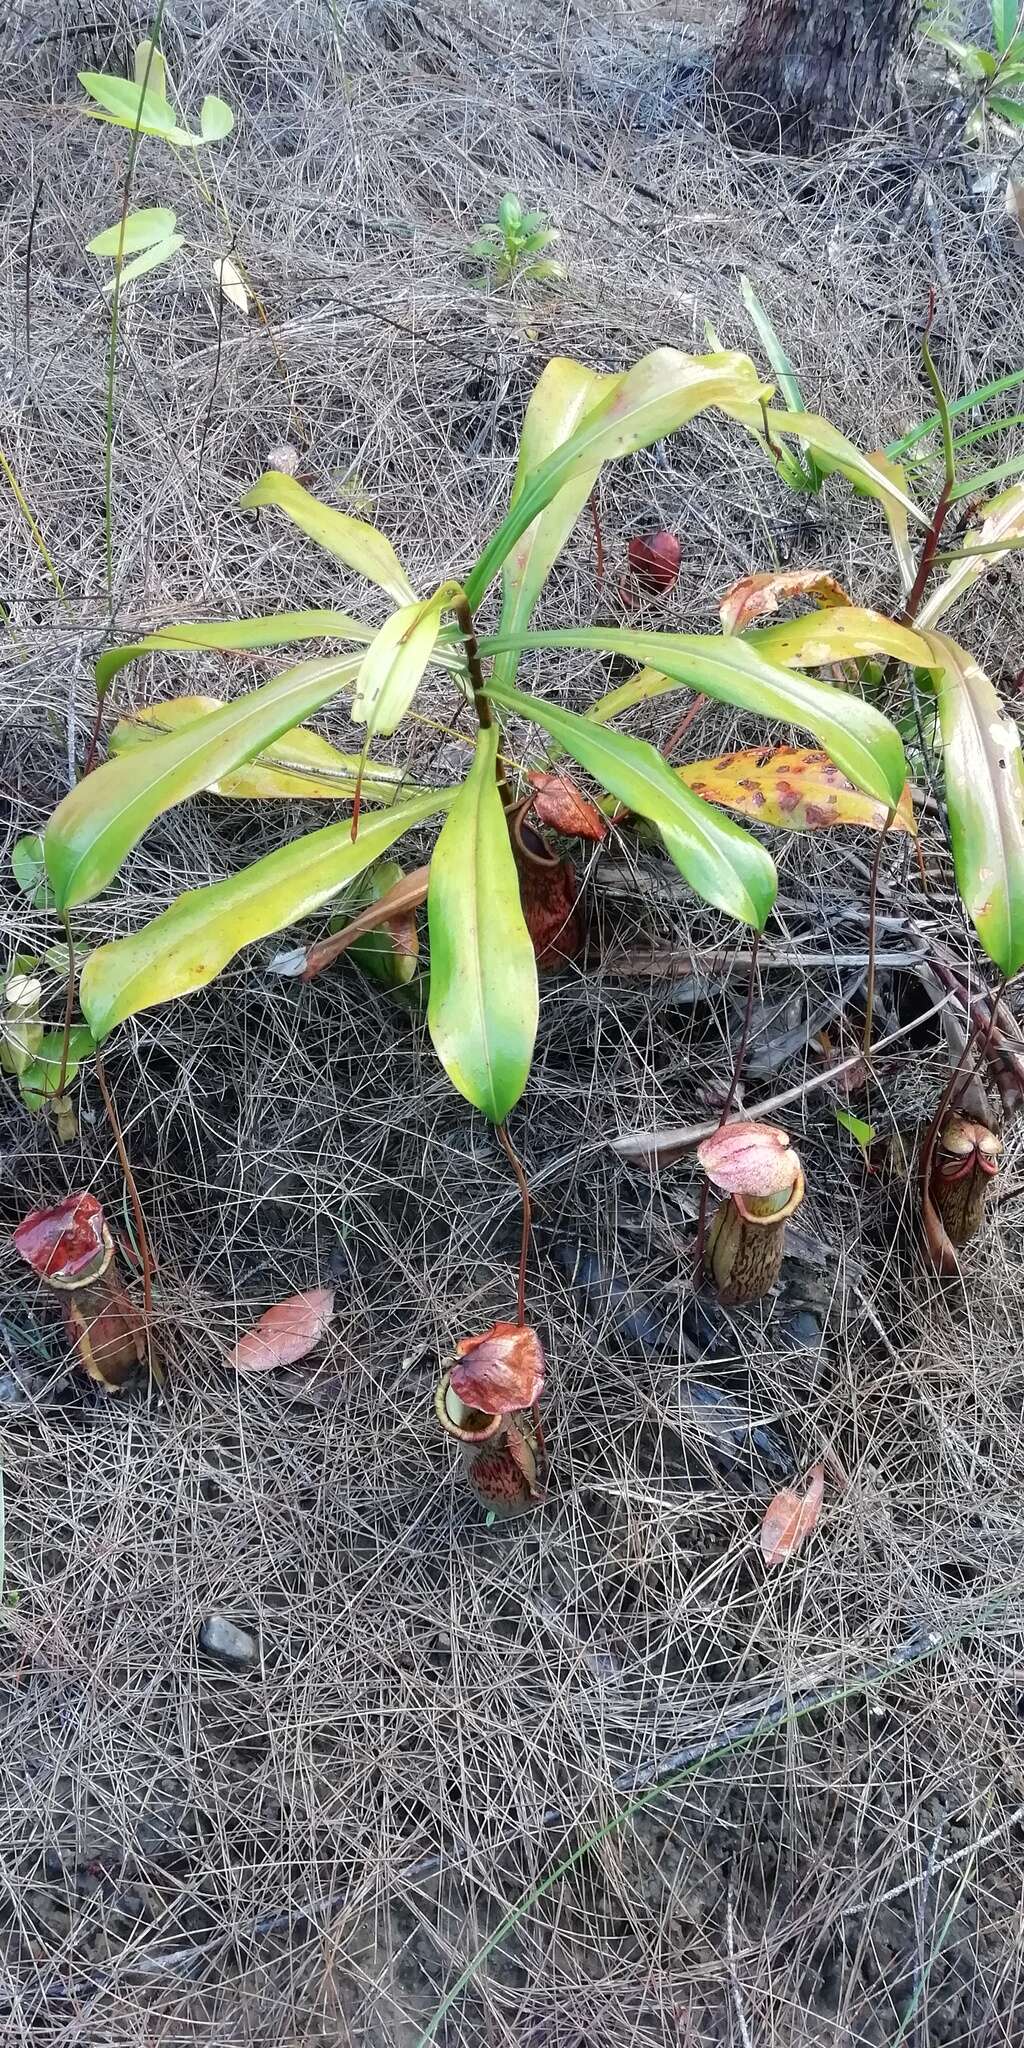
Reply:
x=232, y=283
x=286, y=1332
x=396, y=909
x=1015, y=202
x=791, y=1516
x=559, y=803
x=754, y=596
x=798, y=788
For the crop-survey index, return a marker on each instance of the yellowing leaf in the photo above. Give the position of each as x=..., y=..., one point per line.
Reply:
x=564, y=393
x=232, y=284
x=797, y=788
x=1004, y=520
x=894, y=506
x=981, y=756
x=845, y=634
x=299, y=764
x=107, y=812
x=393, y=665
x=233, y=636
x=753, y=596
x=149, y=69
x=188, y=945
x=361, y=546
x=138, y=231
x=659, y=394
x=833, y=451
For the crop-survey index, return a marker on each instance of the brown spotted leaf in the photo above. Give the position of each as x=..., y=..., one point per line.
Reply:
x=797, y=788
x=754, y=596
x=791, y=1516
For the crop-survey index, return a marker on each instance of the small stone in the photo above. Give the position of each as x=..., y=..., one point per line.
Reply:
x=227, y=1644
x=285, y=458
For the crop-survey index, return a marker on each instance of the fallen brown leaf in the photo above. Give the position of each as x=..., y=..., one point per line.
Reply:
x=791, y=1516
x=286, y=1332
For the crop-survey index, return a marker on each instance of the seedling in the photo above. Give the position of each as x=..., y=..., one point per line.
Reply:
x=992, y=76
x=513, y=248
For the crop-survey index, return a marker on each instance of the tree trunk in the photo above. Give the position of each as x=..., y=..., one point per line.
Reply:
x=806, y=72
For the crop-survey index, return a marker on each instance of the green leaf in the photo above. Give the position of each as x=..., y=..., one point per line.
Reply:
x=972, y=486
x=161, y=252
x=970, y=399
x=510, y=214
x=215, y=119
x=1005, y=14
x=719, y=860
x=101, y=819
x=351, y=540
x=189, y=944
x=40, y=1080
x=150, y=224
x=394, y=663
x=1007, y=110
x=300, y=764
x=968, y=56
x=864, y=1133
x=806, y=473
x=832, y=451
x=1003, y=520
x=483, y=1007
x=233, y=636
x=659, y=394
x=984, y=780
x=29, y=868
x=124, y=102
x=564, y=392
x=856, y=736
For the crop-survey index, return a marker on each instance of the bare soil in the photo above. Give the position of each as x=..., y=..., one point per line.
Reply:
x=445, y=1723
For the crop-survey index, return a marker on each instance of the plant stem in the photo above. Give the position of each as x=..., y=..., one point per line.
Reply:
x=869, y=994
x=145, y=1255
x=481, y=701
x=524, y=1252
x=115, y=302
x=595, y=515
x=69, y=1004
x=524, y=1190
x=934, y=533
x=94, y=737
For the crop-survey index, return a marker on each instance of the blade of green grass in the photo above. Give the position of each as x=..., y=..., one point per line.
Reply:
x=932, y=424
x=782, y=1716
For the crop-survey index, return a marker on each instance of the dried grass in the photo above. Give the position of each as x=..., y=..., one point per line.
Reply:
x=428, y=1689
